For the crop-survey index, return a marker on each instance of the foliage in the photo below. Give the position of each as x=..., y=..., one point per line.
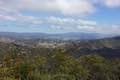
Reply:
x=58, y=65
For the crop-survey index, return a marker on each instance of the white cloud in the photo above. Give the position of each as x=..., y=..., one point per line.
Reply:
x=113, y=3
x=21, y=19
x=64, y=7
x=110, y=3
x=10, y=10
x=6, y=18
x=70, y=22
x=84, y=25
x=64, y=23
x=50, y=21
x=9, y=7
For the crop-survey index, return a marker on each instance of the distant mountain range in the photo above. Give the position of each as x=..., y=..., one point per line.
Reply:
x=63, y=36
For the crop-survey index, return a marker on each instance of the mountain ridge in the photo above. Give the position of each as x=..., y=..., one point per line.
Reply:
x=64, y=36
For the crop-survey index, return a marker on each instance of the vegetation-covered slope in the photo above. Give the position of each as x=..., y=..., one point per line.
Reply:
x=67, y=60
x=58, y=66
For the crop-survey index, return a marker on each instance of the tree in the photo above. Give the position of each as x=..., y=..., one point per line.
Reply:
x=99, y=67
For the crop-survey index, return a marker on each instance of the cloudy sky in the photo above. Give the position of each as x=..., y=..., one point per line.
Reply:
x=60, y=16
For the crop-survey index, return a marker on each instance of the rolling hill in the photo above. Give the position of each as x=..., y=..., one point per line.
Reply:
x=36, y=45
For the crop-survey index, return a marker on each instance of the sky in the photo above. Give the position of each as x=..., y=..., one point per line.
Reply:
x=60, y=16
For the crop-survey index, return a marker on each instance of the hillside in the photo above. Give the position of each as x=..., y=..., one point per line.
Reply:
x=56, y=59
x=107, y=47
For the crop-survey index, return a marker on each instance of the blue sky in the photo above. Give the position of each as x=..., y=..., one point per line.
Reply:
x=60, y=16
